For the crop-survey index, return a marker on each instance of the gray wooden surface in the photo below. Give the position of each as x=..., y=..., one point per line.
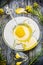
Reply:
x=6, y=51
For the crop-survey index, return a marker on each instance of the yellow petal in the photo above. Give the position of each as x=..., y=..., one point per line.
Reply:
x=17, y=55
x=1, y=11
x=19, y=10
x=18, y=63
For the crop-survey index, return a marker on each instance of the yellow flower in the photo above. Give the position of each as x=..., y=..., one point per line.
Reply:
x=1, y=11
x=35, y=5
x=18, y=63
x=29, y=8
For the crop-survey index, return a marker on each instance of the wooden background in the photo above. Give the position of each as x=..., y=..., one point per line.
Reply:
x=6, y=51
